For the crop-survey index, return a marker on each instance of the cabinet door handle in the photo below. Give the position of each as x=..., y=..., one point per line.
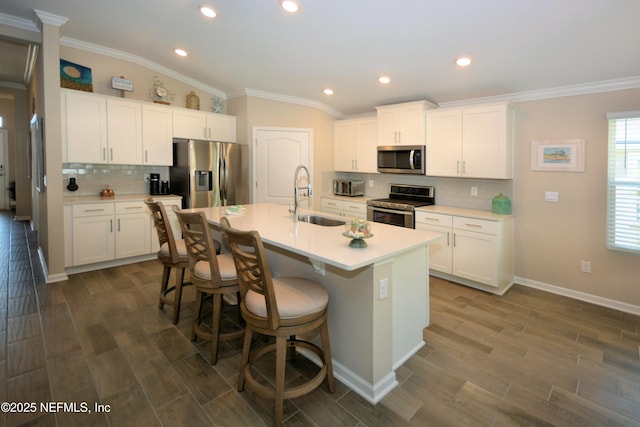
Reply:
x=111, y=154
x=111, y=224
x=448, y=238
x=454, y=240
x=472, y=225
x=458, y=167
x=118, y=225
x=93, y=210
x=464, y=167
x=104, y=154
x=204, y=131
x=146, y=156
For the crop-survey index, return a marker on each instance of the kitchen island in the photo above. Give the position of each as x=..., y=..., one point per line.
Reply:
x=378, y=295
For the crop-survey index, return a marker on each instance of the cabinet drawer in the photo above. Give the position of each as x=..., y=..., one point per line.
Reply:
x=478, y=225
x=92, y=209
x=130, y=207
x=434, y=219
x=355, y=208
x=332, y=204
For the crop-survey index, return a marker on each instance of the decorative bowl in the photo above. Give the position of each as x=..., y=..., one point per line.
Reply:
x=357, y=230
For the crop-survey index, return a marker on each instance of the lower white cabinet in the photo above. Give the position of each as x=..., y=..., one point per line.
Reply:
x=108, y=231
x=92, y=233
x=472, y=251
x=132, y=231
x=343, y=207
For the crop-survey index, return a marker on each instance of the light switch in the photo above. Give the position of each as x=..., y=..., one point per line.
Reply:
x=551, y=196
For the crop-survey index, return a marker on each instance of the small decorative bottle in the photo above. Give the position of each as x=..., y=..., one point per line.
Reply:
x=193, y=101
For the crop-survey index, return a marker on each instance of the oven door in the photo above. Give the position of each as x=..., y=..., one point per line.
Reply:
x=390, y=216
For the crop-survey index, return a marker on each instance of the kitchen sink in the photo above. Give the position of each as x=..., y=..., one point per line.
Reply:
x=320, y=220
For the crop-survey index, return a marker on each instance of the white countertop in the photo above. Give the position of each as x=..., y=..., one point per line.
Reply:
x=72, y=200
x=467, y=213
x=323, y=244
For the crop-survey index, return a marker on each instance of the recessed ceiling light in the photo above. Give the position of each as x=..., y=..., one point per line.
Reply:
x=208, y=11
x=290, y=6
x=328, y=91
x=384, y=79
x=181, y=52
x=463, y=61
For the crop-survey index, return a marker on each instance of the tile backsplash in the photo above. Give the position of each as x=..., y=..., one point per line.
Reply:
x=454, y=192
x=122, y=179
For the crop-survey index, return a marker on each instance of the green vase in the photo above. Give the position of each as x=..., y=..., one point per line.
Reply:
x=501, y=204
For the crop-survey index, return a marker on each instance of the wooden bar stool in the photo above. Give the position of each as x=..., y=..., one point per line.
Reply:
x=211, y=274
x=172, y=254
x=283, y=308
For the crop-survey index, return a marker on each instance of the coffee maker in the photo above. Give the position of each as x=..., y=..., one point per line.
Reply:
x=154, y=184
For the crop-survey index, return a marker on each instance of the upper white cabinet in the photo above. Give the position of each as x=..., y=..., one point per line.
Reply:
x=84, y=127
x=193, y=124
x=470, y=142
x=355, y=145
x=157, y=135
x=102, y=129
x=402, y=124
x=124, y=132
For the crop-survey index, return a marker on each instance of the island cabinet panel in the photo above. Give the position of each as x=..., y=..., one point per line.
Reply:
x=93, y=233
x=471, y=251
x=354, y=145
x=402, y=124
x=470, y=142
x=190, y=124
x=132, y=232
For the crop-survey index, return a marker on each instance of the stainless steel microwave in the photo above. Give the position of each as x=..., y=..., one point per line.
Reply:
x=402, y=159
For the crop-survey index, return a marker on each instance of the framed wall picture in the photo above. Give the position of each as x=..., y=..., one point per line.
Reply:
x=74, y=76
x=566, y=155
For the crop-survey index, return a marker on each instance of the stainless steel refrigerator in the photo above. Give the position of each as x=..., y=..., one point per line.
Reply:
x=207, y=173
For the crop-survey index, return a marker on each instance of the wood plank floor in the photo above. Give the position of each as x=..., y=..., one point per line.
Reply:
x=525, y=359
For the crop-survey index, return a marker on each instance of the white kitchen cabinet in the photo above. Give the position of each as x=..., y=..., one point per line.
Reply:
x=193, y=124
x=355, y=145
x=93, y=233
x=471, y=251
x=402, y=124
x=344, y=207
x=100, y=129
x=470, y=142
x=124, y=132
x=132, y=231
x=157, y=135
x=84, y=127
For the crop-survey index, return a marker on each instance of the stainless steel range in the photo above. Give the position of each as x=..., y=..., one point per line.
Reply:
x=398, y=208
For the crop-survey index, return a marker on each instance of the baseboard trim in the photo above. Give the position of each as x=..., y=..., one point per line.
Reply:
x=581, y=296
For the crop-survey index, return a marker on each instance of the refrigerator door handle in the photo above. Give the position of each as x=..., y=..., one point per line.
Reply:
x=223, y=176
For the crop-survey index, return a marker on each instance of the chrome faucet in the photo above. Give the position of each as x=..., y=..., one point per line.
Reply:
x=297, y=188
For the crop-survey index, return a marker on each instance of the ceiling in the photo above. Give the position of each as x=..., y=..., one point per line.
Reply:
x=516, y=46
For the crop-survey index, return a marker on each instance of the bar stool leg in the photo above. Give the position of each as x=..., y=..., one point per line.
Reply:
x=281, y=360
x=166, y=272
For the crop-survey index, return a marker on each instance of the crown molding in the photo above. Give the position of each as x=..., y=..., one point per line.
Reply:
x=118, y=54
x=23, y=24
x=557, y=92
x=287, y=99
x=50, y=18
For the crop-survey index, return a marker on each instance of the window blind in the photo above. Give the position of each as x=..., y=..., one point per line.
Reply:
x=623, y=194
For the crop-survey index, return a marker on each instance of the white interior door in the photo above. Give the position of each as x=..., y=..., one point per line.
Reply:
x=4, y=156
x=277, y=154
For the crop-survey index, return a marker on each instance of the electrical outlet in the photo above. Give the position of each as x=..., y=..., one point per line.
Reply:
x=551, y=196
x=585, y=266
x=371, y=183
x=474, y=191
x=147, y=178
x=383, y=290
